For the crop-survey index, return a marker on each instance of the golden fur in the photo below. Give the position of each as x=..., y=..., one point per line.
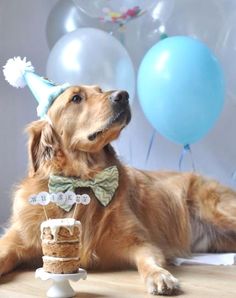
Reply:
x=152, y=218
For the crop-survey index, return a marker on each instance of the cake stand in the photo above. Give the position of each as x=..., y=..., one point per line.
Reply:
x=61, y=287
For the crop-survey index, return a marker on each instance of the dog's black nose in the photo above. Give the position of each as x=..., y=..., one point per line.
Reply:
x=119, y=97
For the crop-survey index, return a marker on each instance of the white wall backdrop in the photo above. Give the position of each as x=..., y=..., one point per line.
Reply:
x=22, y=32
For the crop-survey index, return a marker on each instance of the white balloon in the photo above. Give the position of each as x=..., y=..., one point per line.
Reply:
x=139, y=35
x=106, y=8
x=90, y=56
x=201, y=19
x=65, y=17
x=162, y=10
x=226, y=52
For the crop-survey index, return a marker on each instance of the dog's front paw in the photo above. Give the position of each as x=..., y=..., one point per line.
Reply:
x=3, y=266
x=7, y=262
x=162, y=283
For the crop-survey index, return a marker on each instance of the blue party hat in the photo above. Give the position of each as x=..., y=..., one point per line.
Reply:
x=19, y=73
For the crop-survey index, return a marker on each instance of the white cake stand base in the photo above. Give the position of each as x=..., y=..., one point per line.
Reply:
x=61, y=287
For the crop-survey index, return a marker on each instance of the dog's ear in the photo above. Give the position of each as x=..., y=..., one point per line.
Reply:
x=43, y=144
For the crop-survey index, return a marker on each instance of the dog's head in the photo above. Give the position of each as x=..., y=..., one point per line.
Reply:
x=83, y=118
x=86, y=118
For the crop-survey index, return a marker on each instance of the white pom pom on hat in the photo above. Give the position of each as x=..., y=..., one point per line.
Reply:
x=15, y=69
x=19, y=73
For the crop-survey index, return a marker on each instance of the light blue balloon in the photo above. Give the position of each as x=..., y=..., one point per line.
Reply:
x=181, y=88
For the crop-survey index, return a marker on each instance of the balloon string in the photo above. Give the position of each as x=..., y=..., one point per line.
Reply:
x=186, y=150
x=150, y=145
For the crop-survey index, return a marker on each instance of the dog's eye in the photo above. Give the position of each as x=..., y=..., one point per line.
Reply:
x=77, y=98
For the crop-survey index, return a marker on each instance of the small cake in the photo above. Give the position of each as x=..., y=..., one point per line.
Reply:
x=61, y=244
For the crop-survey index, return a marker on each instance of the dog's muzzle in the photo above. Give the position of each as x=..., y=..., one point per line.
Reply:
x=120, y=105
x=121, y=112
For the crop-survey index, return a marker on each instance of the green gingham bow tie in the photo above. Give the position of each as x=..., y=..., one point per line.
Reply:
x=103, y=185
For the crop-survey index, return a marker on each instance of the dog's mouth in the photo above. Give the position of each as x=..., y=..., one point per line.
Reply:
x=122, y=117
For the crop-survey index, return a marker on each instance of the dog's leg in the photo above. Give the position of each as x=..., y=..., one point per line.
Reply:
x=150, y=261
x=13, y=251
x=215, y=205
x=8, y=254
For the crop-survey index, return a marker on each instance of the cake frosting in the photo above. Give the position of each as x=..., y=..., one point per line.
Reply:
x=56, y=224
x=61, y=244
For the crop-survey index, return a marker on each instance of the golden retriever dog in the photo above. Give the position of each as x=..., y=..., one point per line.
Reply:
x=153, y=216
